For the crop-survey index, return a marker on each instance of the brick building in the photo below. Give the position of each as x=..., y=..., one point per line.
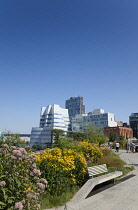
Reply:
x=127, y=132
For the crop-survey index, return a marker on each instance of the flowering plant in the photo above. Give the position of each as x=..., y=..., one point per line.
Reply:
x=89, y=151
x=62, y=168
x=20, y=182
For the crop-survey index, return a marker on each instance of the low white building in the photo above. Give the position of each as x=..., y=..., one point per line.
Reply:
x=98, y=118
x=51, y=117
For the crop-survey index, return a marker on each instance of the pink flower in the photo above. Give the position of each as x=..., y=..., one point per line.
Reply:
x=18, y=206
x=38, y=206
x=40, y=185
x=35, y=171
x=44, y=181
x=34, y=165
x=34, y=197
x=2, y=183
x=30, y=195
x=23, y=151
x=23, y=201
x=13, y=157
x=31, y=174
x=33, y=157
x=35, y=177
x=5, y=145
x=17, y=152
x=13, y=147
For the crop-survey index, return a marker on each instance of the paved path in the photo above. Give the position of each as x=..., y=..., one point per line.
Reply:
x=119, y=197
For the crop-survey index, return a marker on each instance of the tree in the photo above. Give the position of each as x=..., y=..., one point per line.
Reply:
x=112, y=137
x=37, y=147
x=121, y=137
x=78, y=136
x=122, y=141
x=13, y=139
x=95, y=135
x=57, y=135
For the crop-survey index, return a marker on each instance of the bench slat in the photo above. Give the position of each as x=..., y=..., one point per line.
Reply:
x=95, y=170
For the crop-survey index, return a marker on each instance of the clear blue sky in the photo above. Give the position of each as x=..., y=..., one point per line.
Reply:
x=51, y=50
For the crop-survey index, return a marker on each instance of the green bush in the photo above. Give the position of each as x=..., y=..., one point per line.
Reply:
x=111, y=159
x=61, y=168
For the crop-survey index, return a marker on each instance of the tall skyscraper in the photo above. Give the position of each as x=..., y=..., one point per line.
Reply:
x=75, y=106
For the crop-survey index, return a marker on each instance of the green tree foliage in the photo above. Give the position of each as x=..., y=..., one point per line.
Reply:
x=37, y=147
x=95, y=135
x=121, y=137
x=12, y=139
x=122, y=141
x=57, y=135
x=78, y=136
x=112, y=137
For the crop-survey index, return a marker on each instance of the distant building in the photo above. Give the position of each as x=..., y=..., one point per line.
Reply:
x=133, y=121
x=1, y=135
x=25, y=137
x=75, y=106
x=98, y=118
x=51, y=117
x=119, y=130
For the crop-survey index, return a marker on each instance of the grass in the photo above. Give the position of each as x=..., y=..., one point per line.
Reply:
x=109, y=158
x=49, y=201
x=113, y=160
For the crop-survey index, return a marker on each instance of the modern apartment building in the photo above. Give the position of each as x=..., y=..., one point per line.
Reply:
x=98, y=118
x=133, y=121
x=52, y=116
x=75, y=106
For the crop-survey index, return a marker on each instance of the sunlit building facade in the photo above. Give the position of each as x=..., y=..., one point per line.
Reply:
x=51, y=117
x=98, y=118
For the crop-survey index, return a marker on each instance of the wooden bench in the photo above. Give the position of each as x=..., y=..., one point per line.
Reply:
x=102, y=169
x=93, y=181
x=96, y=170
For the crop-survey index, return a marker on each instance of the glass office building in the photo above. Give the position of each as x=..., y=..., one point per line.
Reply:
x=75, y=106
x=133, y=121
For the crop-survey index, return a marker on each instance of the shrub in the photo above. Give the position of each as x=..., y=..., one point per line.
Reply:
x=20, y=182
x=61, y=168
x=90, y=151
x=111, y=159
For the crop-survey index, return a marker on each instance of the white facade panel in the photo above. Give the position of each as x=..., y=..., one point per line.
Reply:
x=52, y=116
x=101, y=119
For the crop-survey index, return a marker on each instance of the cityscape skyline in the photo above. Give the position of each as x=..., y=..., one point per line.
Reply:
x=54, y=50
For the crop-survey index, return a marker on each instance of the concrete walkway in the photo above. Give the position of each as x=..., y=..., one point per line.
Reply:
x=118, y=197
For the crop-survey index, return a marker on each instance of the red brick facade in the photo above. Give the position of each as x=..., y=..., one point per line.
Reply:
x=119, y=130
